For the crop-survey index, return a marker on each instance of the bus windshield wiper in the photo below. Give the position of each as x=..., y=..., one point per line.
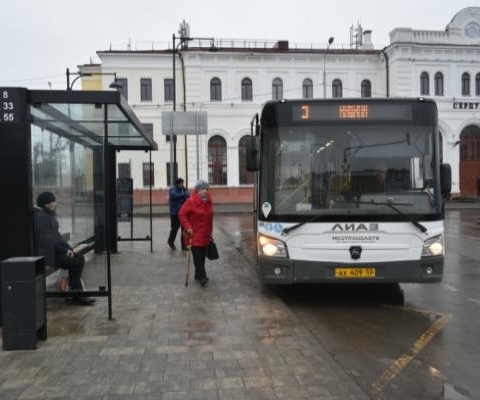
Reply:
x=406, y=216
x=291, y=228
x=392, y=206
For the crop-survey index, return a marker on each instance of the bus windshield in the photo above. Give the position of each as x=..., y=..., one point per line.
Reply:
x=346, y=169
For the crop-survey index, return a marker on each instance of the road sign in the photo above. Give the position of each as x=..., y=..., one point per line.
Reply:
x=184, y=123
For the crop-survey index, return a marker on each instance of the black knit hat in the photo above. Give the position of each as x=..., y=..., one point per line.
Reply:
x=45, y=198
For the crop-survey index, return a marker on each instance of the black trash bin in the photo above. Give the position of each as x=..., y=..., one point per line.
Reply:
x=23, y=302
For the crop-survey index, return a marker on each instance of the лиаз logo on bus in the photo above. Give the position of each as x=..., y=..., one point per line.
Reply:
x=348, y=227
x=362, y=231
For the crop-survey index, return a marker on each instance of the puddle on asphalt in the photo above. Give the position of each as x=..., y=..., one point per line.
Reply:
x=452, y=392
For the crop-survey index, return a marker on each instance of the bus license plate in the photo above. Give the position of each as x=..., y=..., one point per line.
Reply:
x=355, y=272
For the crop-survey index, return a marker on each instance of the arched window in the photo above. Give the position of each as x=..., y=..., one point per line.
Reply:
x=215, y=89
x=246, y=89
x=465, y=84
x=307, y=87
x=438, y=84
x=424, y=84
x=217, y=161
x=246, y=177
x=277, y=89
x=366, y=88
x=477, y=84
x=336, y=88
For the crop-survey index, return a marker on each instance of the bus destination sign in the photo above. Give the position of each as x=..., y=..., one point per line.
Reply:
x=353, y=111
x=350, y=112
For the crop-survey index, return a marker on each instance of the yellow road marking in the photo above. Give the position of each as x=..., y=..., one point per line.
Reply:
x=400, y=363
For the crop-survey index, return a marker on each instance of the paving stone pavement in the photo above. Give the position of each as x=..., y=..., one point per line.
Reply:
x=228, y=341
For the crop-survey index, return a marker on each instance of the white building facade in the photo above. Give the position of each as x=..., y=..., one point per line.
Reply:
x=232, y=83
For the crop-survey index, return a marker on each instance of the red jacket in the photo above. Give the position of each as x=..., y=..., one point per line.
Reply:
x=197, y=215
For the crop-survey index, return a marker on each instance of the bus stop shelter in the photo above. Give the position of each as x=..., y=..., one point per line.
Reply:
x=65, y=142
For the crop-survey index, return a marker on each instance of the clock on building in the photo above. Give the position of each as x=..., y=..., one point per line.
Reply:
x=472, y=30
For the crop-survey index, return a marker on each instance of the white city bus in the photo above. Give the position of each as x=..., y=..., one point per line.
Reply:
x=348, y=190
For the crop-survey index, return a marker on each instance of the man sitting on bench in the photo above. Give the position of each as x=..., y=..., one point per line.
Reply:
x=54, y=247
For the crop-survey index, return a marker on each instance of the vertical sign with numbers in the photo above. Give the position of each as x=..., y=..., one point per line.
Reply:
x=10, y=108
x=16, y=227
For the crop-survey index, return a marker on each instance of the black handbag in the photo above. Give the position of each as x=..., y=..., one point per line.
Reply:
x=212, y=252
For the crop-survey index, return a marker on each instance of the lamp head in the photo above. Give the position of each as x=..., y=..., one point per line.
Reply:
x=116, y=85
x=330, y=40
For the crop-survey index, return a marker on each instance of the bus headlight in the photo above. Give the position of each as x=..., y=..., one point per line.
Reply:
x=433, y=246
x=270, y=247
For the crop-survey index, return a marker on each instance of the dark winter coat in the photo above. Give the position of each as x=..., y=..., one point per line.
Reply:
x=48, y=239
x=177, y=198
x=197, y=215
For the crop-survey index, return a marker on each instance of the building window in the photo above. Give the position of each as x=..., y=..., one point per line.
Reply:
x=124, y=170
x=247, y=89
x=424, y=84
x=307, y=88
x=145, y=89
x=217, y=161
x=366, y=88
x=477, y=85
x=277, y=89
x=148, y=129
x=246, y=177
x=148, y=176
x=465, y=84
x=337, y=88
x=168, y=89
x=124, y=90
x=438, y=84
x=215, y=90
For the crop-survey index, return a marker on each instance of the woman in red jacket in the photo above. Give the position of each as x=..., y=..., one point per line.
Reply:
x=196, y=218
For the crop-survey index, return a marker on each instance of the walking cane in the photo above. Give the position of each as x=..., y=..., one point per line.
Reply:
x=188, y=261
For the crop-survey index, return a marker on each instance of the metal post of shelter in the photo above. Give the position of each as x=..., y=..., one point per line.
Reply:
x=108, y=241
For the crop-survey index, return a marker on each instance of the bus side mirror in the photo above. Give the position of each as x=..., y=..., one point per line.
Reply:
x=253, y=154
x=445, y=179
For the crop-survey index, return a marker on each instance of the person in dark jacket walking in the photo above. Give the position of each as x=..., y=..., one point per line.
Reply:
x=178, y=195
x=196, y=217
x=56, y=250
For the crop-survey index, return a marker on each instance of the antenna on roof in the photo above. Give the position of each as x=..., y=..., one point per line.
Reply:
x=184, y=30
x=356, y=36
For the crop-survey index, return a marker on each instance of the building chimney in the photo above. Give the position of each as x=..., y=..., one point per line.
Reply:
x=367, y=40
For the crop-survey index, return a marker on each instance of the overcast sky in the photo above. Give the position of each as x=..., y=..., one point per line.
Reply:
x=41, y=38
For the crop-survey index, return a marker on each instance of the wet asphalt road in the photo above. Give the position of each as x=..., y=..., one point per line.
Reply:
x=427, y=348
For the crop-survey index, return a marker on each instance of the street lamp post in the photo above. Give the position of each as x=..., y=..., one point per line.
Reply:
x=330, y=41
x=173, y=138
x=113, y=85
